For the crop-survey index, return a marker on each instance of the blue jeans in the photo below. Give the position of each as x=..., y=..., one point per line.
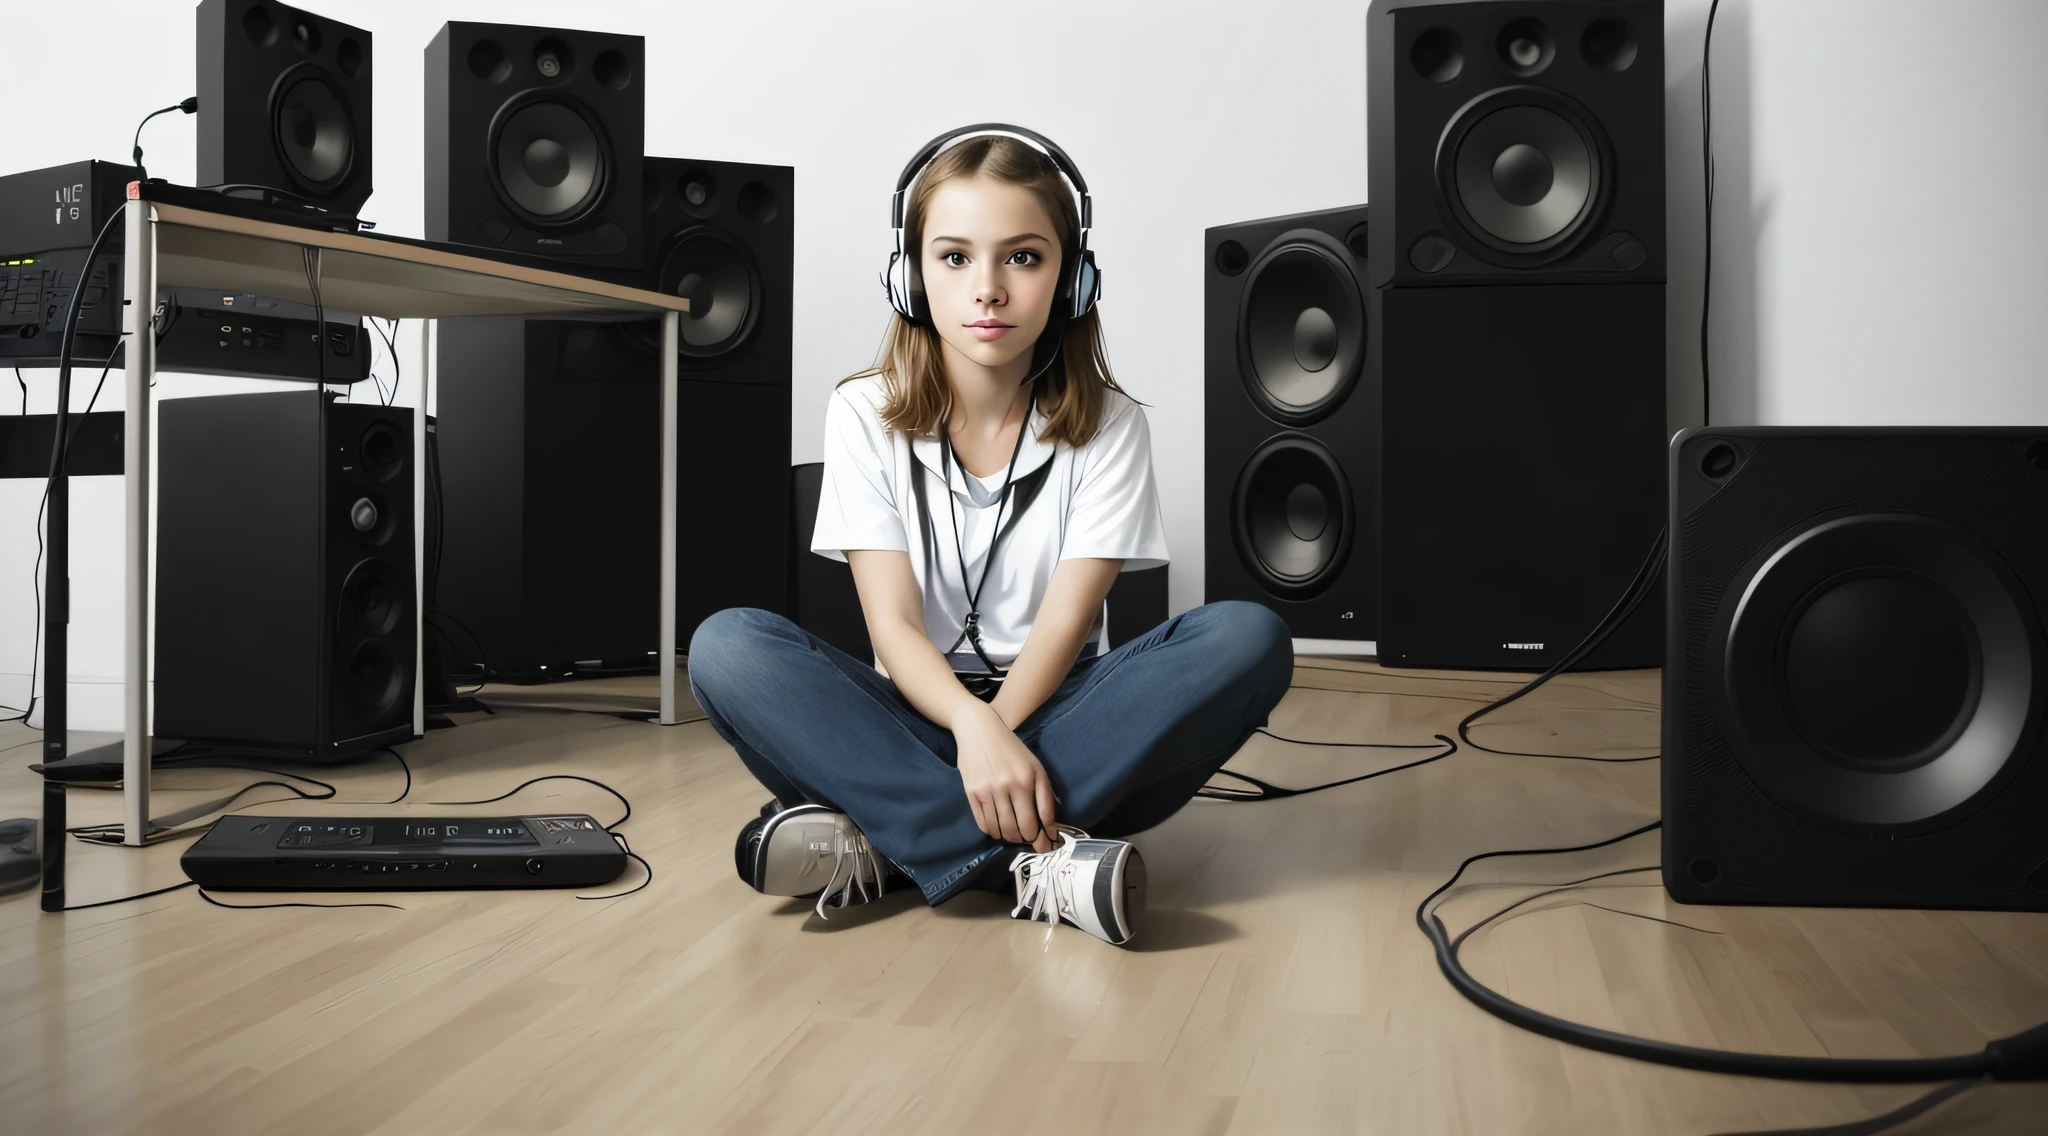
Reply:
x=1126, y=739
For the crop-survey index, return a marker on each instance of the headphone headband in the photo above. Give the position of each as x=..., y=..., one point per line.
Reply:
x=1080, y=281
x=931, y=150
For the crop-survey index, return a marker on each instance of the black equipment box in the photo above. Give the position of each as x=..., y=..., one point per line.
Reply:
x=257, y=853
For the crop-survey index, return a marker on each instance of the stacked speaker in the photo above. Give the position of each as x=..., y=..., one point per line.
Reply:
x=1515, y=159
x=1289, y=411
x=534, y=139
x=550, y=437
x=284, y=102
x=284, y=613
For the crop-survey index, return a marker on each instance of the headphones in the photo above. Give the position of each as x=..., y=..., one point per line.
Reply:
x=1080, y=283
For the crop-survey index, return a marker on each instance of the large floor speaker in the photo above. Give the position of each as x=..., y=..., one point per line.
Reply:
x=534, y=140
x=550, y=450
x=284, y=102
x=285, y=576
x=1854, y=701
x=1515, y=158
x=1290, y=408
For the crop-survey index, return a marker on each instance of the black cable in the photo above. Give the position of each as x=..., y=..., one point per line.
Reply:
x=1270, y=792
x=1882, y=1122
x=307, y=256
x=260, y=906
x=128, y=898
x=391, y=345
x=24, y=391
x=1707, y=161
x=483, y=660
x=36, y=574
x=1644, y=583
x=188, y=105
x=555, y=777
x=2022, y=1056
x=1581, y=882
x=621, y=838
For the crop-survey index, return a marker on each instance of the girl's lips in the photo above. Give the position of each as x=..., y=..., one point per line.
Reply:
x=986, y=334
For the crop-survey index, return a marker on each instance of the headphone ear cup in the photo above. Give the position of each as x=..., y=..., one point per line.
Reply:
x=1087, y=285
x=906, y=299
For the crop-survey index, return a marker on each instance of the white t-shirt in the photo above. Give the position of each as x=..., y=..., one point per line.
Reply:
x=1100, y=500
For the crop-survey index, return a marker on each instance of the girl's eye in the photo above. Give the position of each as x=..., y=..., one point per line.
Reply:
x=947, y=258
x=1025, y=252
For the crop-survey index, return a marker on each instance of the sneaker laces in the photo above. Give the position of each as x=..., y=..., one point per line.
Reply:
x=867, y=864
x=1045, y=881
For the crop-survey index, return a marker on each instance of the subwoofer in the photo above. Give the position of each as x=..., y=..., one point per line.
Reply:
x=1516, y=150
x=550, y=451
x=1290, y=412
x=1858, y=674
x=285, y=577
x=534, y=140
x=284, y=102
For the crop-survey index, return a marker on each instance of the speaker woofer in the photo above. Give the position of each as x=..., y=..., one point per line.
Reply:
x=1301, y=328
x=550, y=159
x=313, y=127
x=372, y=602
x=373, y=684
x=723, y=285
x=1876, y=672
x=1290, y=516
x=1524, y=171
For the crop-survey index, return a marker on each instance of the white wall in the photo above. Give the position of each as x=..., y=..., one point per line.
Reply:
x=1879, y=247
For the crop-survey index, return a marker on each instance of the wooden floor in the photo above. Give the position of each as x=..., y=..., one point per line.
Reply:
x=1280, y=985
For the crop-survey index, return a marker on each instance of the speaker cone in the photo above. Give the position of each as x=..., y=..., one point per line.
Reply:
x=1301, y=328
x=314, y=130
x=1290, y=516
x=723, y=286
x=1877, y=672
x=373, y=683
x=551, y=159
x=372, y=602
x=1524, y=171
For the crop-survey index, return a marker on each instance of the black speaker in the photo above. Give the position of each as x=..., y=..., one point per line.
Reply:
x=534, y=139
x=1516, y=150
x=284, y=102
x=550, y=450
x=1290, y=409
x=723, y=235
x=1516, y=138
x=285, y=578
x=1858, y=674
x=823, y=598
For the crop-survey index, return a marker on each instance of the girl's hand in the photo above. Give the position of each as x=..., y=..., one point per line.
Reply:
x=1006, y=786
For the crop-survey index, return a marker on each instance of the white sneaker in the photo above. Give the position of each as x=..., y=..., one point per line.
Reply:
x=1094, y=884
x=803, y=849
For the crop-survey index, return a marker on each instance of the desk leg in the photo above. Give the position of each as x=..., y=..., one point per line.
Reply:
x=419, y=530
x=671, y=342
x=139, y=286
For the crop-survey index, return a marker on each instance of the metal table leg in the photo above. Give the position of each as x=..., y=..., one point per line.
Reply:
x=671, y=342
x=419, y=529
x=139, y=268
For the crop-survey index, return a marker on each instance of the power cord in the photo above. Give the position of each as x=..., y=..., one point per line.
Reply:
x=1707, y=162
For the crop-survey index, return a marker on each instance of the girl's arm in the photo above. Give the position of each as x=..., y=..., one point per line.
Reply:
x=1073, y=598
x=894, y=610
x=1006, y=785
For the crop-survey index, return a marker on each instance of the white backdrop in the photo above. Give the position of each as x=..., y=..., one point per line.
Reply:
x=1881, y=256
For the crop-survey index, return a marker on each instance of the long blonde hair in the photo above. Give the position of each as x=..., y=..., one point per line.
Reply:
x=1070, y=391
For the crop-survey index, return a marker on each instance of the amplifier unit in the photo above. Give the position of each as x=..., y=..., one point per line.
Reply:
x=255, y=853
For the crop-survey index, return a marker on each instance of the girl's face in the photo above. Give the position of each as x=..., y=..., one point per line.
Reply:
x=991, y=263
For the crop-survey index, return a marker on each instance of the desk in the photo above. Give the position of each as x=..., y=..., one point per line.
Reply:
x=392, y=278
